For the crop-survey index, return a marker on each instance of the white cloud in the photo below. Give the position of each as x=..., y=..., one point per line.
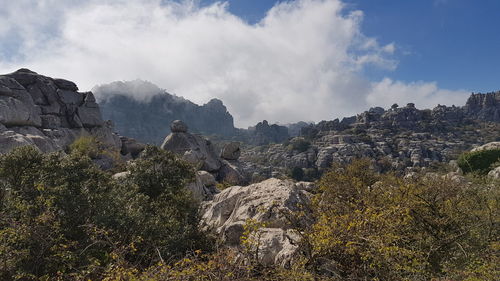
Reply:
x=422, y=94
x=303, y=61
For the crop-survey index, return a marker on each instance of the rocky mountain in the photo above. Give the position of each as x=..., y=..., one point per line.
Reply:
x=141, y=110
x=400, y=138
x=147, y=118
x=48, y=113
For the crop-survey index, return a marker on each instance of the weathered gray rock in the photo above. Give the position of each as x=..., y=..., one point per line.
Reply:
x=10, y=140
x=178, y=126
x=264, y=202
x=51, y=121
x=131, y=146
x=194, y=149
x=48, y=113
x=200, y=188
x=14, y=112
x=36, y=136
x=66, y=85
x=488, y=146
x=90, y=116
x=70, y=98
x=121, y=176
x=232, y=173
x=206, y=178
x=495, y=173
x=231, y=151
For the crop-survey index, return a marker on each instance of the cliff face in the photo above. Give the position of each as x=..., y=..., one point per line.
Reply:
x=485, y=107
x=148, y=120
x=47, y=113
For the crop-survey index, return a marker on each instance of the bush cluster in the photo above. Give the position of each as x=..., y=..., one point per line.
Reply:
x=63, y=218
x=382, y=227
x=478, y=161
x=299, y=144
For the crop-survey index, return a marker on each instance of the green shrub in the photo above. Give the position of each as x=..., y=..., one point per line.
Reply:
x=297, y=173
x=311, y=174
x=65, y=219
x=381, y=227
x=478, y=161
x=299, y=144
x=87, y=146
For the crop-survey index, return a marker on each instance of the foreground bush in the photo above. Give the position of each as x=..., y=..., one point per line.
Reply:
x=61, y=217
x=381, y=227
x=478, y=161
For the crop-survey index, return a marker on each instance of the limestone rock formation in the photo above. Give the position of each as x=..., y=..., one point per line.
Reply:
x=131, y=147
x=401, y=138
x=488, y=146
x=263, y=133
x=265, y=202
x=231, y=151
x=203, y=188
x=47, y=113
x=485, y=107
x=178, y=126
x=495, y=173
x=200, y=152
x=193, y=148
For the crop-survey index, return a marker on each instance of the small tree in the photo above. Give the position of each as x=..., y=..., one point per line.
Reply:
x=297, y=173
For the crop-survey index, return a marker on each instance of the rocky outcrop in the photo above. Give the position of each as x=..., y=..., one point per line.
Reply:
x=495, y=173
x=131, y=147
x=484, y=107
x=140, y=110
x=231, y=151
x=390, y=147
x=488, y=146
x=204, y=186
x=48, y=113
x=193, y=148
x=263, y=133
x=399, y=138
x=266, y=203
x=200, y=152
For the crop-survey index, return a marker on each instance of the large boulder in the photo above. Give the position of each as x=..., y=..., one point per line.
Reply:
x=193, y=148
x=231, y=151
x=14, y=112
x=488, y=146
x=131, y=147
x=203, y=187
x=232, y=172
x=178, y=126
x=495, y=173
x=266, y=202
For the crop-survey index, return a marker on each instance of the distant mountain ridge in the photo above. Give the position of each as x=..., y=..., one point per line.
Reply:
x=148, y=119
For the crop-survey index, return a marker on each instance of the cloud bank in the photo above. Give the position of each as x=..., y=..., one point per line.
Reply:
x=303, y=61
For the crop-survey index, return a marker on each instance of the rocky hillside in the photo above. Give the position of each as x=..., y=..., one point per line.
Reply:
x=147, y=118
x=399, y=138
x=48, y=113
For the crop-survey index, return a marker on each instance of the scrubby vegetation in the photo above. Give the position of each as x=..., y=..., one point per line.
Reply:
x=382, y=227
x=478, y=161
x=299, y=144
x=62, y=218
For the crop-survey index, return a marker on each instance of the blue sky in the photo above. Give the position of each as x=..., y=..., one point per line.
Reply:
x=284, y=61
x=453, y=42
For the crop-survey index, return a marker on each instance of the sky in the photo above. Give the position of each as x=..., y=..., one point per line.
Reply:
x=284, y=61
